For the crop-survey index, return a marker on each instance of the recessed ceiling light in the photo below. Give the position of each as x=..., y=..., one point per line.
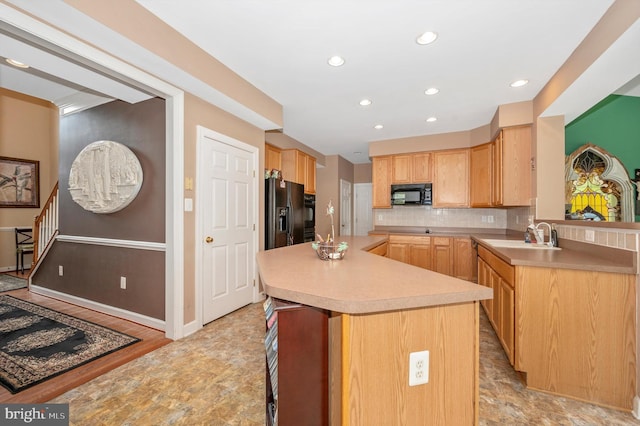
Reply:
x=378, y=126
x=519, y=83
x=431, y=91
x=431, y=119
x=365, y=102
x=16, y=63
x=427, y=38
x=336, y=61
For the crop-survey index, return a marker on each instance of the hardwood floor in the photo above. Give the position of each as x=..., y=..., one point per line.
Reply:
x=151, y=340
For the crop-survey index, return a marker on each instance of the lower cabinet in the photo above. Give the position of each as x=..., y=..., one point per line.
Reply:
x=499, y=276
x=380, y=250
x=451, y=256
x=301, y=392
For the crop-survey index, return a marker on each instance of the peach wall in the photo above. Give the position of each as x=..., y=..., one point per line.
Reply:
x=139, y=25
x=283, y=141
x=28, y=130
x=362, y=173
x=197, y=112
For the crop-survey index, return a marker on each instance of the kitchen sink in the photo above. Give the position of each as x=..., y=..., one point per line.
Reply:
x=518, y=244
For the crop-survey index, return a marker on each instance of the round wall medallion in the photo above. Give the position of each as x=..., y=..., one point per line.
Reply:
x=105, y=177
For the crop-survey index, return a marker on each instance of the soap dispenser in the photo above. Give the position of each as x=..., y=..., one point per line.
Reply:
x=554, y=236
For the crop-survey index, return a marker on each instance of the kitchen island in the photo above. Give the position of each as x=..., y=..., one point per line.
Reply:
x=379, y=311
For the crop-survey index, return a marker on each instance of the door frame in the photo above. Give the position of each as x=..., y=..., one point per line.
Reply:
x=174, y=327
x=344, y=182
x=357, y=186
x=202, y=134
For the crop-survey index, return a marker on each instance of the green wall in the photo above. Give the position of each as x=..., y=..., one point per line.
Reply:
x=612, y=124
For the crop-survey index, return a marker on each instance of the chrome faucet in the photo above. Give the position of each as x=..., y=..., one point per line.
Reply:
x=539, y=233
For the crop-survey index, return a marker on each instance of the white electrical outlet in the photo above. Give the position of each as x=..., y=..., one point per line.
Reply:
x=589, y=235
x=418, y=368
x=123, y=283
x=491, y=219
x=60, y=270
x=379, y=217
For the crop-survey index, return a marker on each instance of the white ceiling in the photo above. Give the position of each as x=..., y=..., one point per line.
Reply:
x=281, y=47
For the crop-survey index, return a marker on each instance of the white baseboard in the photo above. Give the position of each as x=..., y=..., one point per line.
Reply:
x=636, y=407
x=105, y=309
x=191, y=328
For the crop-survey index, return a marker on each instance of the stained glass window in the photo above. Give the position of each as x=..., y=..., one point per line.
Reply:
x=591, y=196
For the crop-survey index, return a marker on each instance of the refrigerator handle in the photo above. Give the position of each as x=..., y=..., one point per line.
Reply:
x=289, y=226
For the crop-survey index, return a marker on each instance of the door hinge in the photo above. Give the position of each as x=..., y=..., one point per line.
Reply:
x=254, y=282
x=254, y=226
x=254, y=173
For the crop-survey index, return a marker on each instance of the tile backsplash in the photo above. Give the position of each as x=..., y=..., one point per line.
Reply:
x=428, y=216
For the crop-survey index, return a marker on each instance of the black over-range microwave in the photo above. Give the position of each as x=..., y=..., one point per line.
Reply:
x=415, y=193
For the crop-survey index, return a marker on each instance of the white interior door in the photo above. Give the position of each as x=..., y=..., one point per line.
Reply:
x=227, y=197
x=345, y=207
x=363, y=208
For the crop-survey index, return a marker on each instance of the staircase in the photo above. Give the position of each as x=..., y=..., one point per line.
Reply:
x=45, y=228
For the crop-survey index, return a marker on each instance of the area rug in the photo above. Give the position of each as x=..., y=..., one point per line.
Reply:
x=37, y=343
x=9, y=282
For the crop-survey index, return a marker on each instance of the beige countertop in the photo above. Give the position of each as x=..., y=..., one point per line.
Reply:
x=573, y=255
x=361, y=282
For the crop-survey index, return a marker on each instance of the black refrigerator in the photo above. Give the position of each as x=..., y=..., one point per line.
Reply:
x=284, y=210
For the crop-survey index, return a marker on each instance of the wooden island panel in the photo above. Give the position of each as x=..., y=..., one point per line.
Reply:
x=575, y=333
x=375, y=367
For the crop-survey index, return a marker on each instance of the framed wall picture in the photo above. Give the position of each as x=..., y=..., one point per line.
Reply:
x=19, y=183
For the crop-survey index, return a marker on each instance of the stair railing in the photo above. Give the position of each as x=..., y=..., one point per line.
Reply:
x=46, y=226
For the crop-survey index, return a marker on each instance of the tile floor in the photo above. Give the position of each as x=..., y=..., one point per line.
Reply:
x=216, y=377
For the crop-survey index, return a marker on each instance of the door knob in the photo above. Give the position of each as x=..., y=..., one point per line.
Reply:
x=209, y=239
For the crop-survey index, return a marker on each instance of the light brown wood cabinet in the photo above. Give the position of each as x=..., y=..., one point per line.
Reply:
x=451, y=178
x=515, y=161
x=380, y=250
x=447, y=255
x=512, y=167
x=381, y=179
x=552, y=329
x=498, y=275
x=481, y=175
x=272, y=157
x=463, y=259
x=299, y=167
x=442, y=255
x=411, y=168
x=500, y=172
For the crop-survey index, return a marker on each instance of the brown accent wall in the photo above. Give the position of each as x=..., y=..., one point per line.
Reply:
x=92, y=271
x=28, y=130
x=140, y=127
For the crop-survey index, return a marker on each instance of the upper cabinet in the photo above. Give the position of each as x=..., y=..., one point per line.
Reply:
x=381, y=170
x=272, y=157
x=481, y=175
x=499, y=171
x=512, y=158
x=411, y=168
x=299, y=167
x=451, y=178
